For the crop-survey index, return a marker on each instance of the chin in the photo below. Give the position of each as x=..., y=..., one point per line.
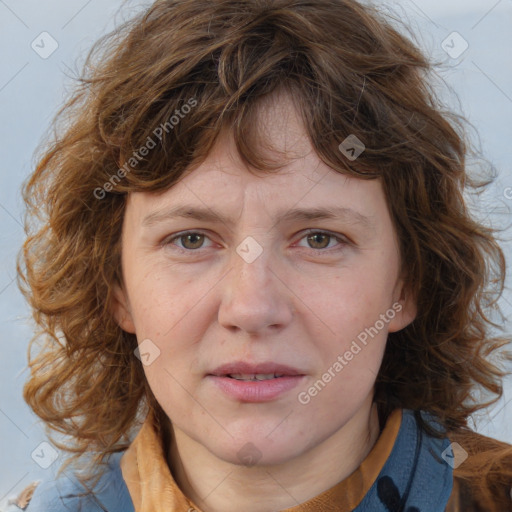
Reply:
x=258, y=450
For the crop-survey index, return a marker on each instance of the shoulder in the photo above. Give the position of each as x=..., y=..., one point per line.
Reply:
x=482, y=473
x=67, y=493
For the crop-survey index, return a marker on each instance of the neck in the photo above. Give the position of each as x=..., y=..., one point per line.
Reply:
x=219, y=486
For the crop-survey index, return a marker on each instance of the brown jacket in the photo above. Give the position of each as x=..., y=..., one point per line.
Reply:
x=483, y=482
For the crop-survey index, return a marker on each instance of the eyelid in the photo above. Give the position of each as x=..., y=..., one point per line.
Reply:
x=169, y=240
x=341, y=239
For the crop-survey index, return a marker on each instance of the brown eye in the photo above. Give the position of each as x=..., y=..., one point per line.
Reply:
x=319, y=240
x=192, y=240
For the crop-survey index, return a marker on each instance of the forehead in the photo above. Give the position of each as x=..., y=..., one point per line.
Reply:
x=222, y=182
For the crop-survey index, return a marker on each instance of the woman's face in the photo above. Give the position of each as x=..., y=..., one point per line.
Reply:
x=228, y=275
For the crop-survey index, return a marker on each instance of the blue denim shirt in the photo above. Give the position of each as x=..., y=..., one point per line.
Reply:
x=64, y=494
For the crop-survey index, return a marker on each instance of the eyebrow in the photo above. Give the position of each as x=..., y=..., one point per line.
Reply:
x=297, y=214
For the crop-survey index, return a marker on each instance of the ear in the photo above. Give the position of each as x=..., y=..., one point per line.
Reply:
x=120, y=309
x=404, y=306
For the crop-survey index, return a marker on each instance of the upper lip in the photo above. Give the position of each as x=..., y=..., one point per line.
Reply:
x=242, y=367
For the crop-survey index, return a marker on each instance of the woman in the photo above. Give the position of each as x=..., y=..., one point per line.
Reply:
x=258, y=281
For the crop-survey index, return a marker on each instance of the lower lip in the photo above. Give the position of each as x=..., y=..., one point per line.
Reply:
x=256, y=390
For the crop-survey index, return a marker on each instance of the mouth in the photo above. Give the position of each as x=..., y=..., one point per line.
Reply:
x=242, y=370
x=252, y=377
x=262, y=382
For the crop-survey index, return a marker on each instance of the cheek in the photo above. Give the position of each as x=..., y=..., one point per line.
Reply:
x=349, y=302
x=351, y=363
x=351, y=336
x=159, y=302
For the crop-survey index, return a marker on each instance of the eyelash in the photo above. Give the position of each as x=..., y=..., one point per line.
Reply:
x=341, y=240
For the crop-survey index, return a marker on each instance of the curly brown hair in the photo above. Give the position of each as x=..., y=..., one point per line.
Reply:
x=349, y=71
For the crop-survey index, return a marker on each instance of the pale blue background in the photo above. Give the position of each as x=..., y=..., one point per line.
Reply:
x=31, y=89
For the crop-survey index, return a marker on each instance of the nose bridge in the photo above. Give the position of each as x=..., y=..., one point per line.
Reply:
x=253, y=298
x=253, y=254
x=251, y=269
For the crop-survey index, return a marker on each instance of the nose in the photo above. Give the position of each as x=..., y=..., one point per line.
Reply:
x=255, y=298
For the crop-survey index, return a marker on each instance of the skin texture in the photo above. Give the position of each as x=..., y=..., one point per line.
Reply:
x=301, y=303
